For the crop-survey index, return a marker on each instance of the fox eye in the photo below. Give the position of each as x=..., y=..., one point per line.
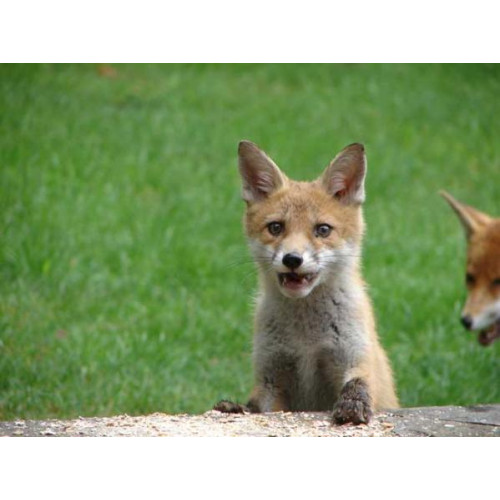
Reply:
x=275, y=228
x=323, y=230
x=469, y=279
x=496, y=282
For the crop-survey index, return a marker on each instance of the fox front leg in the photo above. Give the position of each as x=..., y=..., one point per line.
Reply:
x=275, y=376
x=225, y=406
x=265, y=398
x=252, y=406
x=354, y=404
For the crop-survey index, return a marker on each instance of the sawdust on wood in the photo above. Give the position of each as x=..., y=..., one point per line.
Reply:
x=209, y=424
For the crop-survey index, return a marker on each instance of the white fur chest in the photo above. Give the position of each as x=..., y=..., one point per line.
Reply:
x=322, y=330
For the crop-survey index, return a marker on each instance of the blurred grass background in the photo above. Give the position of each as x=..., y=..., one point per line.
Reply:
x=125, y=281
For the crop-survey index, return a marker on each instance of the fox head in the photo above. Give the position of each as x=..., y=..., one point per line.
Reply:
x=482, y=278
x=302, y=234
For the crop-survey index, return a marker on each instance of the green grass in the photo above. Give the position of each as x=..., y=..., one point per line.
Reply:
x=125, y=283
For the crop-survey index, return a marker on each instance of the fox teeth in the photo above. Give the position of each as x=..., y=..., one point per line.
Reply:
x=296, y=278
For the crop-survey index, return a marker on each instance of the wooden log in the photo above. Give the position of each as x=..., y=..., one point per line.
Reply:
x=481, y=420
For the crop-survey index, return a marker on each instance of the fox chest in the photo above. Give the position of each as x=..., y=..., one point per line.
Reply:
x=307, y=352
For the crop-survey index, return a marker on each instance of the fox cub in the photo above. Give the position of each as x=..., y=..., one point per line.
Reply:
x=482, y=307
x=315, y=344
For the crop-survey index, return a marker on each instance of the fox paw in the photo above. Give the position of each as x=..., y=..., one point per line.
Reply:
x=351, y=411
x=225, y=406
x=354, y=404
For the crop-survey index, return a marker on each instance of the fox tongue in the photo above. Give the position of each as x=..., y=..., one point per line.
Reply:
x=487, y=337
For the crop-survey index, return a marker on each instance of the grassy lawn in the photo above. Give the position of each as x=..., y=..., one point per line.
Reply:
x=125, y=283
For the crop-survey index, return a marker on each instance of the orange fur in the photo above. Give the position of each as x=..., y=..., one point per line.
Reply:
x=482, y=307
x=483, y=262
x=315, y=342
x=301, y=205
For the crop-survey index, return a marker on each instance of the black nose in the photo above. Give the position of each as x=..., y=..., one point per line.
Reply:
x=292, y=260
x=466, y=321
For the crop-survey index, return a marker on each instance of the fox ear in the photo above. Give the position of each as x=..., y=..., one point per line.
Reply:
x=259, y=174
x=344, y=178
x=470, y=218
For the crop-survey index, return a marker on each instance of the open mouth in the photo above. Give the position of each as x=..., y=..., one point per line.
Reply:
x=489, y=335
x=296, y=281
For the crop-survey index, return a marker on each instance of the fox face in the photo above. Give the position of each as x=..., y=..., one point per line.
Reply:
x=482, y=278
x=302, y=234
